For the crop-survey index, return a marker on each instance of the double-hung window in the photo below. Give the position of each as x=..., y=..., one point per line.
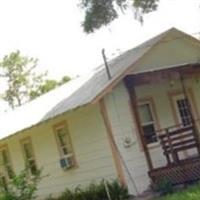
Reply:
x=28, y=153
x=64, y=144
x=5, y=163
x=6, y=170
x=147, y=123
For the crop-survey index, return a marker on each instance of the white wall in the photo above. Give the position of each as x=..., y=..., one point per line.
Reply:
x=168, y=52
x=91, y=147
x=122, y=121
x=123, y=126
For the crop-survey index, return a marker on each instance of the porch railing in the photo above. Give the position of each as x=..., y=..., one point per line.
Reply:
x=174, y=140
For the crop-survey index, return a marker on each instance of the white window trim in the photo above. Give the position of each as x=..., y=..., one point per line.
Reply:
x=5, y=172
x=72, y=155
x=154, y=122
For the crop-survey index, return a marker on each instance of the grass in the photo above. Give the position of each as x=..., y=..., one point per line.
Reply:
x=191, y=193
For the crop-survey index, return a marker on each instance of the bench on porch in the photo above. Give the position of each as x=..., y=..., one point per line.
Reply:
x=174, y=142
x=178, y=170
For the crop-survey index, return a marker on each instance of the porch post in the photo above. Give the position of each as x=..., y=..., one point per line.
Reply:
x=129, y=83
x=190, y=110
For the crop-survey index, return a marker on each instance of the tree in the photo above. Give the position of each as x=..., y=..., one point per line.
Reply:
x=64, y=80
x=18, y=71
x=100, y=13
x=47, y=86
x=23, y=83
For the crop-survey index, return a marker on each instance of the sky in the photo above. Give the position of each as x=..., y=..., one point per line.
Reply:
x=51, y=31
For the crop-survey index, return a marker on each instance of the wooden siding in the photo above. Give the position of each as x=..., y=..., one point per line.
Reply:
x=91, y=146
x=169, y=53
x=118, y=106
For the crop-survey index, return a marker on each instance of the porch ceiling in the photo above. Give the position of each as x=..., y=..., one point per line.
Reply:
x=166, y=73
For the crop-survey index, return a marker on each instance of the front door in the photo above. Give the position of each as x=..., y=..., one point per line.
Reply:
x=183, y=110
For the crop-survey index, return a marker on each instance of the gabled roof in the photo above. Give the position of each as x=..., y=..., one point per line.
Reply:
x=78, y=92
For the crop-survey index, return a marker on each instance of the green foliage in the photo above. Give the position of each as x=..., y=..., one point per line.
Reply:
x=47, y=86
x=18, y=71
x=22, y=187
x=164, y=186
x=23, y=83
x=191, y=193
x=95, y=191
x=64, y=80
x=99, y=13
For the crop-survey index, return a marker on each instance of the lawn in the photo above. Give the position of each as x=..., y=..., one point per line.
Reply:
x=191, y=193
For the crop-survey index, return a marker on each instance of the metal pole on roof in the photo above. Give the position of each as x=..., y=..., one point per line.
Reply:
x=106, y=64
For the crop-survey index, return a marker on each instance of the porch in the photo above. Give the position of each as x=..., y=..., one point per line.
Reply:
x=178, y=143
x=179, y=169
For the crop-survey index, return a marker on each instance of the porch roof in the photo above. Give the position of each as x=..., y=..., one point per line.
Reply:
x=80, y=91
x=168, y=67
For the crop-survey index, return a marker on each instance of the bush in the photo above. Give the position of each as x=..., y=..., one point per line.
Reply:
x=96, y=191
x=164, y=186
x=22, y=186
x=190, y=193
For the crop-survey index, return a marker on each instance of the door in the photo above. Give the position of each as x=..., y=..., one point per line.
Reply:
x=183, y=110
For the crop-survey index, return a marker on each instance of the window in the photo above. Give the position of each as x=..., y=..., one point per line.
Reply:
x=147, y=123
x=184, y=111
x=3, y=182
x=64, y=143
x=6, y=170
x=29, y=157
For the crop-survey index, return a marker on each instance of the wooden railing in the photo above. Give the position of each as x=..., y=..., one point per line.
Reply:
x=175, y=141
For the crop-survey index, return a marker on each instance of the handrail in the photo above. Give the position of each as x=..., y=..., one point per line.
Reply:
x=174, y=126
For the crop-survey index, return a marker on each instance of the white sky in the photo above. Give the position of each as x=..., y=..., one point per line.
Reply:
x=50, y=31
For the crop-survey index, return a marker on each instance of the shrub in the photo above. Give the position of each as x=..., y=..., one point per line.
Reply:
x=96, y=191
x=22, y=186
x=164, y=186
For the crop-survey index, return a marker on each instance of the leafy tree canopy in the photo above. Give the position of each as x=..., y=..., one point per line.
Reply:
x=22, y=82
x=100, y=13
x=47, y=86
x=18, y=72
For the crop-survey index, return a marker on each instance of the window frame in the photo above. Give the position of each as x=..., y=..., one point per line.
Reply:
x=185, y=118
x=150, y=102
x=33, y=158
x=63, y=124
x=5, y=173
x=173, y=95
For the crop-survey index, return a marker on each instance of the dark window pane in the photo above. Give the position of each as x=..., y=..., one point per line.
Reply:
x=32, y=166
x=3, y=182
x=9, y=171
x=149, y=133
x=28, y=150
x=5, y=157
x=183, y=107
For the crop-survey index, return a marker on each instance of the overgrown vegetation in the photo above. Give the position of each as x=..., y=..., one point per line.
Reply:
x=22, y=186
x=96, y=191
